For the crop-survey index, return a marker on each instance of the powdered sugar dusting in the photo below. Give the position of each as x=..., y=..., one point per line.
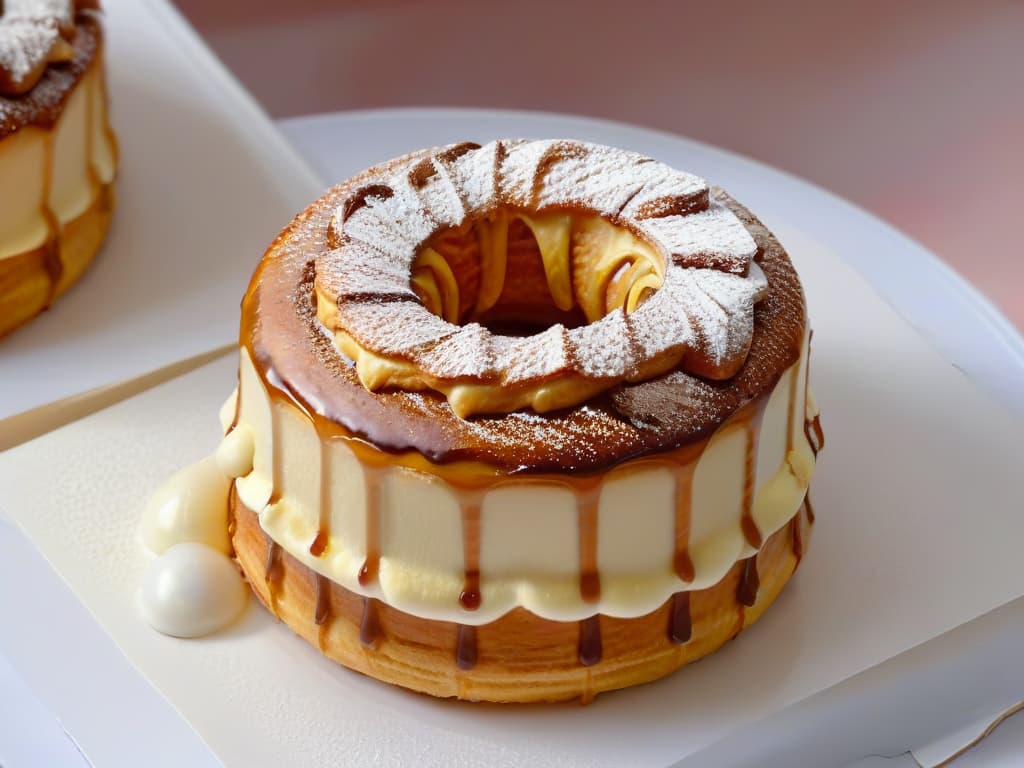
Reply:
x=399, y=329
x=466, y=353
x=702, y=315
x=29, y=30
x=714, y=237
x=602, y=349
x=39, y=102
x=24, y=46
x=529, y=358
x=60, y=11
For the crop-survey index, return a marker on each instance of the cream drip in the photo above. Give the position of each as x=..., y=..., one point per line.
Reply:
x=192, y=590
x=193, y=587
x=191, y=506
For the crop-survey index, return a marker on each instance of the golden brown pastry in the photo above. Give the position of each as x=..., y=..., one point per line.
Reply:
x=521, y=422
x=58, y=156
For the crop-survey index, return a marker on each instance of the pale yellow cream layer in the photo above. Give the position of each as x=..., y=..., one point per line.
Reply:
x=529, y=546
x=59, y=170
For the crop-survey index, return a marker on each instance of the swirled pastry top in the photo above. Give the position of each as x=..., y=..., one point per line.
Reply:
x=697, y=314
x=299, y=359
x=45, y=48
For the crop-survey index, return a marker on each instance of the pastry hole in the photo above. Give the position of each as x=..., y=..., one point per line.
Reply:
x=519, y=273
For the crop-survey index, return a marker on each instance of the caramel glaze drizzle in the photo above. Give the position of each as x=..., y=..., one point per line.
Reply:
x=272, y=570
x=323, y=600
x=371, y=565
x=750, y=582
x=683, y=472
x=369, y=624
x=590, y=641
x=465, y=647
x=798, y=536
x=752, y=428
x=471, y=502
x=587, y=491
x=52, y=263
x=588, y=498
x=814, y=433
x=680, y=623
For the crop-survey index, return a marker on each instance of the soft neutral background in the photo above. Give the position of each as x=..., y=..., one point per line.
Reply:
x=914, y=110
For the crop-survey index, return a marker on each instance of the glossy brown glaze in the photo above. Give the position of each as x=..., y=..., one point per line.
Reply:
x=815, y=435
x=796, y=526
x=323, y=595
x=371, y=566
x=752, y=431
x=588, y=495
x=680, y=627
x=683, y=472
x=466, y=647
x=590, y=641
x=272, y=570
x=369, y=624
x=750, y=582
x=470, y=502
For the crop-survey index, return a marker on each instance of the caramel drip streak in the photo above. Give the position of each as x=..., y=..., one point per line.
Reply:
x=371, y=566
x=369, y=624
x=323, y=600
x=794, y=381
x=52, y=262
x=90, y=139
x=683, y=493
x=587, y=500
x=590, y=649
x=465, y=647
x=470, y=597
x=238, y=403
x=750, y=582
x=680, y=627
x=275, y=456
x=272, y=571
x=319, y=544
x=798, y=536
x=752, y=428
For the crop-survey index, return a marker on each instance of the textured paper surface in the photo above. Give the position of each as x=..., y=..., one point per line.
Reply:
x=205, y=183
x=918, y=531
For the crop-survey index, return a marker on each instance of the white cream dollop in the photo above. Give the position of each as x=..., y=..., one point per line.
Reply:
x=192, y=590
x=191, y=506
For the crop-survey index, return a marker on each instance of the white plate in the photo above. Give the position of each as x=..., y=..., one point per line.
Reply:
x=479, y=733
x=205, y=183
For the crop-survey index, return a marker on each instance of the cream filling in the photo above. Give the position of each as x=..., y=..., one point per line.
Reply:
x=58, y=170
x=529, y=528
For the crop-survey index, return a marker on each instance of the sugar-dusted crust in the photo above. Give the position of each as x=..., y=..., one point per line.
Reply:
x=26, y=287
x=39, y=96
x=519, y=657
x=698, y=317
x=300, y=362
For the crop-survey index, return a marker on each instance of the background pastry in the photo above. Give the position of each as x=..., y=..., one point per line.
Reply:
x=58, y=156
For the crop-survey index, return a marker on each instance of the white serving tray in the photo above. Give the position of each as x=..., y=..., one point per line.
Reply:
x=892, y=489
x=205, y=182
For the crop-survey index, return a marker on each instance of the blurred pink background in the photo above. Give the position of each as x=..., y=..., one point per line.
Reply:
x=914, y=110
